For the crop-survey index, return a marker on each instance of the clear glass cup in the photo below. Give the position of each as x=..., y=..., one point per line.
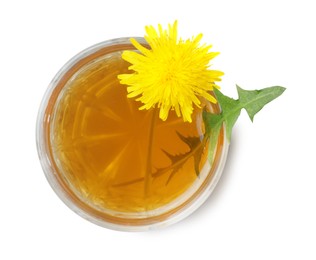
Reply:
x=113, y=206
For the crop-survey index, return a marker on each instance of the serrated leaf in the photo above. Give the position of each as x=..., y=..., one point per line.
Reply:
x=175, y=157
x=196, y=149
x=254, y=100
x=191, y=141
x=213, y=125
x=251, y=100
x=177, y=162
x=230, y=111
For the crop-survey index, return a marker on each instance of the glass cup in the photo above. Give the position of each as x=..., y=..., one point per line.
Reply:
x=111, y=163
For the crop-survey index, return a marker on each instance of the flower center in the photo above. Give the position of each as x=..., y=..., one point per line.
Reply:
x=172, y=73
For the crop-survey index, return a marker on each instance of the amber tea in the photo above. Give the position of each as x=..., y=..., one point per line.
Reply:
x=115, y=160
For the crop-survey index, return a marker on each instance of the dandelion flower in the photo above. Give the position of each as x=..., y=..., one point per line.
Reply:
x=172, y=74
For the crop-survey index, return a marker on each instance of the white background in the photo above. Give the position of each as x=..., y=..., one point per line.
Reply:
x=264, y=207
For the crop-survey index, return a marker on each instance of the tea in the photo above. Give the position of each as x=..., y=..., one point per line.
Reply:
x=114, y=156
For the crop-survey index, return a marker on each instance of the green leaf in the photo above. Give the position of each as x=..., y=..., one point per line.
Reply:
x=254, y=100
x=251, y=100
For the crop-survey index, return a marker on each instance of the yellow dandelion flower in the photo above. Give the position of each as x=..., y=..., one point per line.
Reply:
x=172, y=74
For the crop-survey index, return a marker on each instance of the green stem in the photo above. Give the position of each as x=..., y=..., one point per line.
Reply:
x=148, y=170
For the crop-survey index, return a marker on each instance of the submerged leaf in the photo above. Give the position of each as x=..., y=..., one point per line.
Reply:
x=196, y=149
x=197, y=145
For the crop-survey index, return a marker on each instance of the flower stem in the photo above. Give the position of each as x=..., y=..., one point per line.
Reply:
x=148, y=170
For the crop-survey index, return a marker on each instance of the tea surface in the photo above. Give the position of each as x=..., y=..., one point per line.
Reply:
x=115, y=156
